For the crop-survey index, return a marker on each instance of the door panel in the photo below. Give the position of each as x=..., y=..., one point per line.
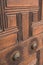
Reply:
x=6, y=57
x=27, y=54
x=11, y=3
x=7, y=41
x=37, y=27
x=21, y=40
x=10, y=20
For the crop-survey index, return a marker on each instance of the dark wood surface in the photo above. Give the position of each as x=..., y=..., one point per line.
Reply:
x=21, y=26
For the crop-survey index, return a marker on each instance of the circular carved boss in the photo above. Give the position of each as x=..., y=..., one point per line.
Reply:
x=33, y=45
x=15, y=56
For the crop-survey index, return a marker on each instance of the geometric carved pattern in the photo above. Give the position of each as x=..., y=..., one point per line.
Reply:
x=16, y=20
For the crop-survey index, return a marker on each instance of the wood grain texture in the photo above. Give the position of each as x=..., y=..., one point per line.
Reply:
x=42, y=9
x=41, y=56
x=25, y=25
x=21, y=28
x=23, y=47
x=11, y=3
x=37, y=27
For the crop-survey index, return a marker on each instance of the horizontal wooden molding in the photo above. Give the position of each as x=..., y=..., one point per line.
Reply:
x=22, y=9
x=27, y=43
x=36, y=24
x=9, y=31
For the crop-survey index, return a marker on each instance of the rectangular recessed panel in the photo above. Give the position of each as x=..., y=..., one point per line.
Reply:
x=21, y=3
x=37, y=30
x=35, y=17
x=25, y=25
x=8, y=41
x=37, y=27
x=11, y=20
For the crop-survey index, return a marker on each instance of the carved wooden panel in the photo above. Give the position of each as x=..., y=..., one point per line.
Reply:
x=27, y=54
x=21, y=39
x=6, y=59
x=11, y=3
x=8, y=40
x=10, y=20
x=37, y=27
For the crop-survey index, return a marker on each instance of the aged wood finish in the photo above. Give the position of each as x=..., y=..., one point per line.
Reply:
x=21, y=32
x=25, y=51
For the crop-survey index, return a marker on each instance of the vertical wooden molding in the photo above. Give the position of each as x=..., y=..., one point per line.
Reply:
x=5, y=3
x=19, y=24
x=25, y=25
x=35, y=16
x=41, y=56
x=1, y=26
x=2, y=14
x=40, y=10
x=38, y=57
x=6, y=21
x=30, y=23
x=0, y=21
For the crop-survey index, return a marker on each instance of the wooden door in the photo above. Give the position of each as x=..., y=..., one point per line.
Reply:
x=20, y=28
